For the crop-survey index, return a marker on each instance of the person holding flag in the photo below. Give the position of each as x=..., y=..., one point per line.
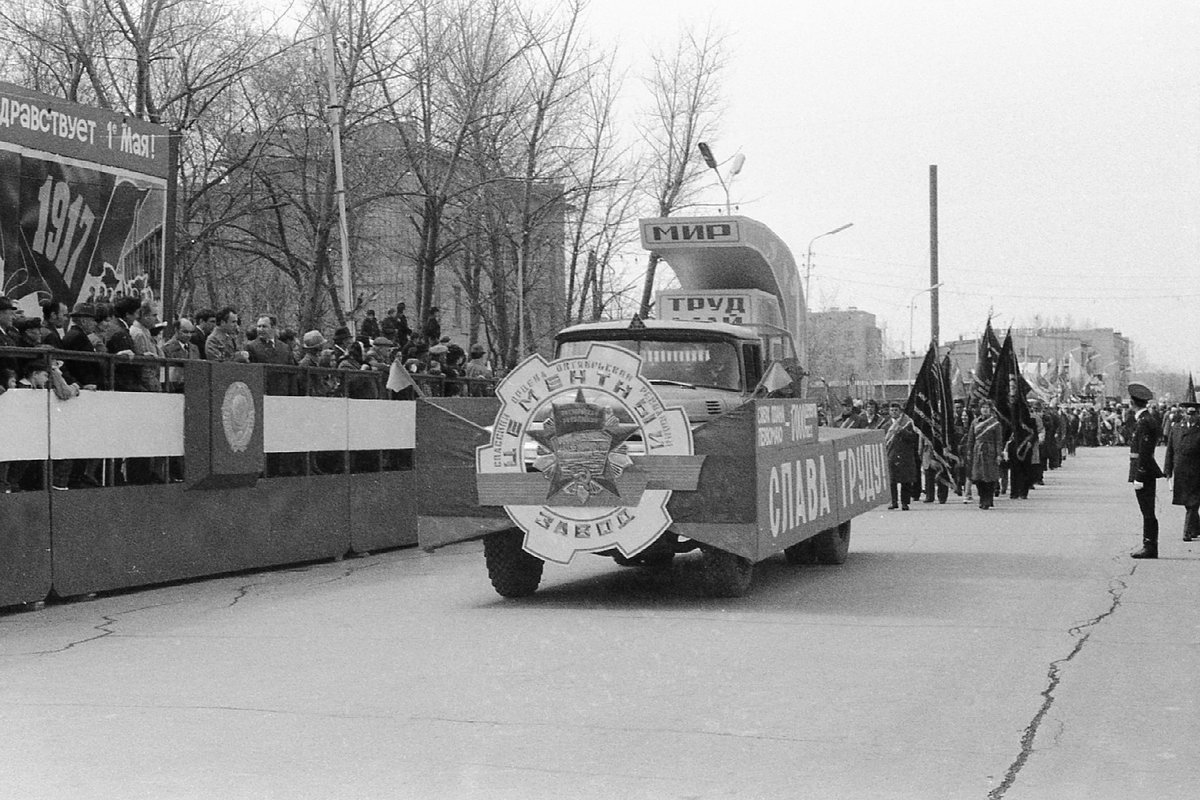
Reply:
x=929, y=408
x=985, y=451
x=1021, y=429
x=900, y=441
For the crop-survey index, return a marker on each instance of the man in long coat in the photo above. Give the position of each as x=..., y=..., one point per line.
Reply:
x=985, y=448
x=903, y=462
x=1143, y=469
x=1183, y=466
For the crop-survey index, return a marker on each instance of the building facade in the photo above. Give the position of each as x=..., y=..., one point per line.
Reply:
x=845, y=346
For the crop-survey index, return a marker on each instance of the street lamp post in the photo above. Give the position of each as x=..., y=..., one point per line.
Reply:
x=734, y=168
x=808, y=261
x=912, y=305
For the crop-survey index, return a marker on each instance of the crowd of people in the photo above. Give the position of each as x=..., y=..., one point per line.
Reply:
x=989, y=461
x=149, y=355
x=984, y=460
x=130, y=327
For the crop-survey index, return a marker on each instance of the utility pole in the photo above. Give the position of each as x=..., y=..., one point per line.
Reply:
x=336, y=116
x=934, y=331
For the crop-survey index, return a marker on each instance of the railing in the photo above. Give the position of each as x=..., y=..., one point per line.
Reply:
x=154, y=375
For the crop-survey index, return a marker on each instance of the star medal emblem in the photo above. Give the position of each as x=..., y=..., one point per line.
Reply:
x=586, y=444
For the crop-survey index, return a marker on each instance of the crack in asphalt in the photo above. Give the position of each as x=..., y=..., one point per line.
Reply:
x=242, y=591
x=103, y=627
x=1083, y=631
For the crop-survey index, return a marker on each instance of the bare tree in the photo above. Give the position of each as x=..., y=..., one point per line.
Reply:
x=685, y=86
x=288, y=172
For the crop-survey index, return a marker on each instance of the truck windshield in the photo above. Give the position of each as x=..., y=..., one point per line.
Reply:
x=713, y=364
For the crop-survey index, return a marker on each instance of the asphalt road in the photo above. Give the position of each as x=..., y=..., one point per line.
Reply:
x=1013, y=653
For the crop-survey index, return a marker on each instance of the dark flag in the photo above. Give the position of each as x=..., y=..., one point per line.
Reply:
x=985, y=363
x=930, y=407
x=1009, y=396
x=1190, y=397
x=948, y=411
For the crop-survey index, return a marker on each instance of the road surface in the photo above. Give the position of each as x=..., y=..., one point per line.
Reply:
x=1013, y=653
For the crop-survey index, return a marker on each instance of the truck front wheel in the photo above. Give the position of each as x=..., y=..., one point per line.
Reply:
x=726, y=574
x=514, y=573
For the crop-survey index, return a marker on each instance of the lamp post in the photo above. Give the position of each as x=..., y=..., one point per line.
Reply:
x=912, y=305
x=734, y=168
x=808, y=259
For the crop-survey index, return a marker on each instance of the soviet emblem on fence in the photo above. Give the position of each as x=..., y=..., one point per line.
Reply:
x=584, y=455
x=237, y=416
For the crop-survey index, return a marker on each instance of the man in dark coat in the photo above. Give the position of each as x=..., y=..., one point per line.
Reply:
x=432, y=329
x=120, y=342
x=1182, y=464
x=88, y=374
x=1143, y=469
x=850, y=418
x=267, y=349
x=903, y=461
x=403, y=331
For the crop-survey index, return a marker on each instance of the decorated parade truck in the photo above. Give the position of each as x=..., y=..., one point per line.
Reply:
x=644, y=439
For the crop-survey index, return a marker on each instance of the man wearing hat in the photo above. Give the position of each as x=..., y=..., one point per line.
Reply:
x=345, y=354
x=849, y=418
x=88, y=374
x=316, y=354
x=379, y=355
x=1182, y=464
x=1143, y=469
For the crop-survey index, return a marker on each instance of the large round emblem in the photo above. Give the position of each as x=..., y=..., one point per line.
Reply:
x=592, y=491
x=237, y=416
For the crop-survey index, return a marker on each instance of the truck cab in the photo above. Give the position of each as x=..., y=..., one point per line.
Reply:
x=707, y=368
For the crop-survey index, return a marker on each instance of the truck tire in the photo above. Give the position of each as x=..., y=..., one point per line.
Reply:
x=832, y=546
x=726, y=574
x=801, y=553
x=513, y=572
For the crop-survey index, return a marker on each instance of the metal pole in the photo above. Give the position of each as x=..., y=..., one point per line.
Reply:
x=520, y=302
x=934, y=331
x=336, y=113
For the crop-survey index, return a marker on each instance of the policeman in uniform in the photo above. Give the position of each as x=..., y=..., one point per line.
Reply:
x=1143, y=469
x=1182, y=464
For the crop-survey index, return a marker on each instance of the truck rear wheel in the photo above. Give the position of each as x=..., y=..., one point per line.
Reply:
x=832, y=546
x=726, y=574
x=513, y=572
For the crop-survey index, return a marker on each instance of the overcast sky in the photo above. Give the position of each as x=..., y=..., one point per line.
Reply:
x=1066, y=136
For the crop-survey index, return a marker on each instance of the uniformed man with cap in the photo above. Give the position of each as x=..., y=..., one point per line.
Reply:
x=1143, y=469
x=1182, y=465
